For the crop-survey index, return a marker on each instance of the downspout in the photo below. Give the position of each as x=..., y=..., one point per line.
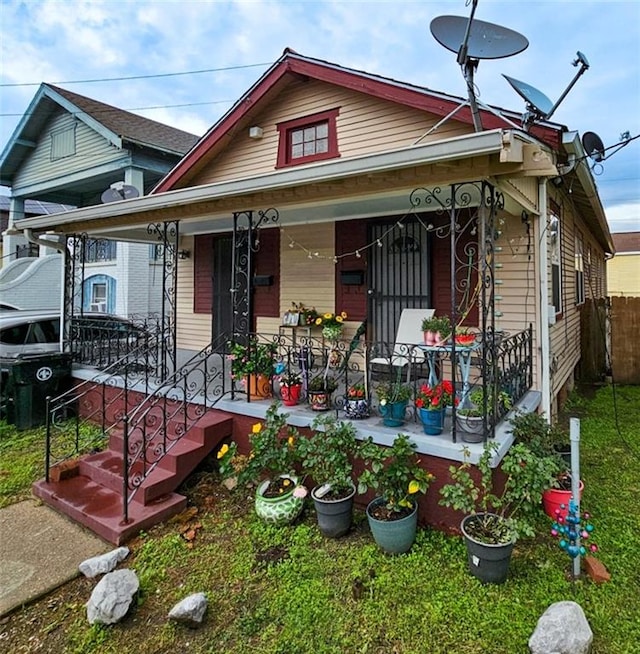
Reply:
x=545, y=355
x=62, y=248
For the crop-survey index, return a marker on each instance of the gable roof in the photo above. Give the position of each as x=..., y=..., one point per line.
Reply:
x=293, y=66
x=117, y=125
x=626, y=242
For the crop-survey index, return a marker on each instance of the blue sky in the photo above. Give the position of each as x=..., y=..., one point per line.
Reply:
x=60, y=41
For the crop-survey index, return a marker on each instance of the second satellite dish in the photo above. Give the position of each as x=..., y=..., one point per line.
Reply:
x=117, y=192
x=593, y=146
x=537, y=100
x=485, y=40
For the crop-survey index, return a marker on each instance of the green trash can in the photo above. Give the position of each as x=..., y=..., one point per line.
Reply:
x=30, y=381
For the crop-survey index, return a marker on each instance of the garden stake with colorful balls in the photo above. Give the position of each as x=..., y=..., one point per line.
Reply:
x=569, y=531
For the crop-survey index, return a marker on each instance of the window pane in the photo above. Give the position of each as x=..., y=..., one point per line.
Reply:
x=309, y=148
x=296, y=136
x=296, y=151
x=322, y=130
x=309, y=134
x=322, y=145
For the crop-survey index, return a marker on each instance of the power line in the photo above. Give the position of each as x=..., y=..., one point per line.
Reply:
x=119, y=79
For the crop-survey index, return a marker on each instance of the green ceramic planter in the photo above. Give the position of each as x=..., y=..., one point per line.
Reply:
x=279, y=510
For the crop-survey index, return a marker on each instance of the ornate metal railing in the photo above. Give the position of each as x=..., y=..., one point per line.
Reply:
x=101, y=402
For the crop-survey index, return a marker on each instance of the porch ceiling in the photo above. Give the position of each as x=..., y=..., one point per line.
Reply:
x=370, y=185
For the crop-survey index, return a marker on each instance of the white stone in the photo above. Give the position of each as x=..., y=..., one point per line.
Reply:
x=562, y=629
x=190, y=610
x=112, y=597
x=99, y=565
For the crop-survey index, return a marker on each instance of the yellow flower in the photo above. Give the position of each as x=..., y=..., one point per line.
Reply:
x=318, y=321
x=222, y=451
x=291, y=441
x=286, y=482
x=339, y=319
x=414, y=487
x=328, y=316
x=257, y=428
x=343, y=315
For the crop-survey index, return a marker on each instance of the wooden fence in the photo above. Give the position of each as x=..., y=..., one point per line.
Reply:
x=625, y=339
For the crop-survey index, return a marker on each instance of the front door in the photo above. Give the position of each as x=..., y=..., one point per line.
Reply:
x=221, y=322
x=399, y=275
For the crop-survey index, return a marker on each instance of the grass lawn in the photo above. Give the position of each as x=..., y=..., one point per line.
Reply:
x=289, y=590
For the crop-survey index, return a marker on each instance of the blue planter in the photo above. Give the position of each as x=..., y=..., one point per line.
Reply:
x=393, y=536
x=393, y=413
x=432, y=421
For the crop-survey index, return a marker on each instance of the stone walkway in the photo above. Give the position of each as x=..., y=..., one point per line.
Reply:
x=39, y=551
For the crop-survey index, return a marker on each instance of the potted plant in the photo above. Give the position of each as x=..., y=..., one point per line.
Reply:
x=548, y=440
x=493, y=521
x=470, y=418
x=436, y=330
x=253, y=364
x=290, y=387
x=274, y=453
x=327, y=455
x=465, y=337
x=332, y=325
x=356, y=402
x=393, y=397
x=319, y=391
x=432, y=402
x=396, y=475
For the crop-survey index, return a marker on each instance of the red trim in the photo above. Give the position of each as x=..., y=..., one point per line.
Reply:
x=285, y=128
x=294, y=65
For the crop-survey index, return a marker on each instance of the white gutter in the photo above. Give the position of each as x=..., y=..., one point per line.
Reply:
x=470, y=145
x=543, y=327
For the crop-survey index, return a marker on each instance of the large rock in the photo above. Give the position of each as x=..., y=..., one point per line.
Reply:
x=562, y=629
x=99, y=565
x=112, y=597
x=190, y=610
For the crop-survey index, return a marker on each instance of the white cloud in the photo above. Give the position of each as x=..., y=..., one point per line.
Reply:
x=624, y=218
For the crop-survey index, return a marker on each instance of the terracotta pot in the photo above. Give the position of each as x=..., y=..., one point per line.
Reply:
x=429, y=338
x=258, y=387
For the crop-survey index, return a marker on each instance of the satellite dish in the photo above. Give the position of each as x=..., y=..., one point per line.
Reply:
x=536, y=100
x=472, y=41
x=119, y=191
x=538, y=104
x=484, y=41
x=593, y=146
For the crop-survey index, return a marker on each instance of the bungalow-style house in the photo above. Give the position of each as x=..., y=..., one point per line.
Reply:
x=70, y=149
x=348, y=192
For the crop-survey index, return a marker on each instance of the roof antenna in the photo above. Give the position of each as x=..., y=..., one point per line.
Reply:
x=474, y=40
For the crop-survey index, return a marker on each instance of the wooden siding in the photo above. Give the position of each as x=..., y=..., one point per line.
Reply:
x=91, y=149
x=365, y=125
x=623, y=275
x=193, y=330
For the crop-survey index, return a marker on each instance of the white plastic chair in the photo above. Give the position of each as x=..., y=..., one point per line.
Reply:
x=409, y=333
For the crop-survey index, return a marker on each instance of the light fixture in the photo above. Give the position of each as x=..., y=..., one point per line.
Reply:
x=557, y=181
x=255, y=132
x=184, y=254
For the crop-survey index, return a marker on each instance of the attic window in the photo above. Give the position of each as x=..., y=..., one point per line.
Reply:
x=63, y=143
x=312, y=138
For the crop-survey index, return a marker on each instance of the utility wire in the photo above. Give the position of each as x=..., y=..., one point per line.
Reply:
x=119, y=79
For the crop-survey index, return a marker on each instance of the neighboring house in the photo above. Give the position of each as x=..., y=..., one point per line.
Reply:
x=69, y=149
x=346, y=191
x=623, y=271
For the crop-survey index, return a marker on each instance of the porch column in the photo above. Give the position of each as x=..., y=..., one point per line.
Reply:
x=12, y=240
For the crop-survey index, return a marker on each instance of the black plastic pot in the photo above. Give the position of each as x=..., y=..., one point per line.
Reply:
x=334, y=516
x=487, y=562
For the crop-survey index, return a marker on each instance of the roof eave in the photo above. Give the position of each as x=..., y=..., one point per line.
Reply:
x=470, y=145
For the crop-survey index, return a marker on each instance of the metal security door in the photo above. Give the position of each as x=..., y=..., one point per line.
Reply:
x=399, y=276
x=221, y=324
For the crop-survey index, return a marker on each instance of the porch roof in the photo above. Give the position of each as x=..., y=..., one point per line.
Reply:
x=377, y=184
